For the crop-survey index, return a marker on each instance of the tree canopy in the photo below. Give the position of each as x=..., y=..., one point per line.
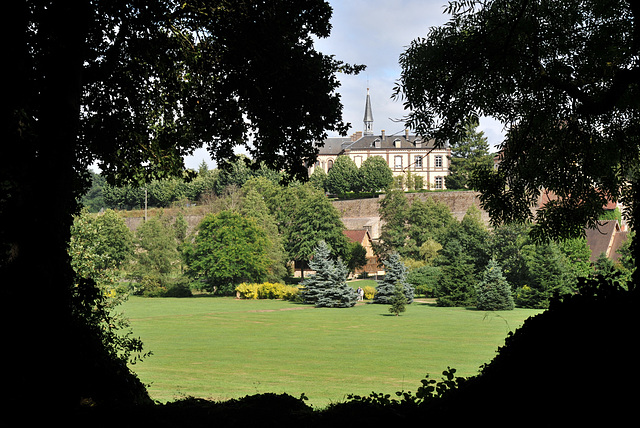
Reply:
x=132, y=88
x=563, y=79
x=467, y=155
x=228, y=249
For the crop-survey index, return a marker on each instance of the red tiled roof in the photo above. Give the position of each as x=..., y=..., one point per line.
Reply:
x=356, y=235
x=606, y=238
x=548, y=195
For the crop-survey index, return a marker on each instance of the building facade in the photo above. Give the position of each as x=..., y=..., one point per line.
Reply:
x=407, y=155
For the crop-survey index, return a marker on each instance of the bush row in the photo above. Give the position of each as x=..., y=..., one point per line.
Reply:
x=267, y=290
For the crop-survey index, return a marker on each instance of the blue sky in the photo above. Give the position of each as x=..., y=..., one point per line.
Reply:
x=375, y=33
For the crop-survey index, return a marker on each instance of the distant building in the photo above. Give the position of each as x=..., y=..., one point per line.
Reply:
x=403, y=153
x=607, y=238
x=362, y=237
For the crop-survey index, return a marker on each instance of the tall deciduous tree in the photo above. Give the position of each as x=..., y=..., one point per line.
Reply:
x=563, y=77
x=314, y=219
x=229, y=249
x=426, y=220
x=157, y=255
x=343, y=176
x=134, y=88
x=375, y=174
x=394, y=208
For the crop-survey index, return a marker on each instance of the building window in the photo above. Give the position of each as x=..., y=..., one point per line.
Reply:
x=358, y=161
x=329, y=164
x=439, y=183
x=397, y=162
x=438, y=162
x=418, y=162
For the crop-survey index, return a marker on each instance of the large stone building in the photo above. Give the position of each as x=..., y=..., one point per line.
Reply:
x=405, y=154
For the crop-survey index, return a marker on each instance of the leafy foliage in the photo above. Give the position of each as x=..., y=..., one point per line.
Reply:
x=562, y=77
x=424, y=279
x=393, y=211
x=311, y=218
x=375, y=174
x=158, y=253
x=343, y=177
x=229, y=249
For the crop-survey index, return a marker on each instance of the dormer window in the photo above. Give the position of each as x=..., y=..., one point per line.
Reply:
x=376, y=143
x=418, y=143
x=396, y=143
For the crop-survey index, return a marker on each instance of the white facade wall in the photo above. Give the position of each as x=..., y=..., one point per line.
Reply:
x=433, y=168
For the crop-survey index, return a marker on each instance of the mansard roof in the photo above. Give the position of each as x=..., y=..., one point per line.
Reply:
x=336, y=145
x=390, y=142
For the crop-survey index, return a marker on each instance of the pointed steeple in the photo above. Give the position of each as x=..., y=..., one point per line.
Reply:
x=368, y=116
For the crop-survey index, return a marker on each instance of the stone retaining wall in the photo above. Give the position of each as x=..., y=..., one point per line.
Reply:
x=363, y=213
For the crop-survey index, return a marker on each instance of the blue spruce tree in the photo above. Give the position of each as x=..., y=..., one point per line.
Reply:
x=493, y=293
x=328, y=286
x=395, y=272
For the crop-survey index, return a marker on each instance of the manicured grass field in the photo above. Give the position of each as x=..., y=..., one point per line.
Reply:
x=221, y=348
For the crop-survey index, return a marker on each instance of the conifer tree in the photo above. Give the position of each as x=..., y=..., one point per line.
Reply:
x=395, y=272
x=493, y=293
x=398, y=300
x=328, y=286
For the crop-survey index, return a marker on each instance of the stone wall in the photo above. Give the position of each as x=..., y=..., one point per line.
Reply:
x=363, y=213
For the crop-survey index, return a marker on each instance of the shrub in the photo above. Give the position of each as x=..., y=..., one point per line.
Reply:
x=267, y=290
x=369, y=292
x=247, y=291
x=179, y=289
x=150, y=286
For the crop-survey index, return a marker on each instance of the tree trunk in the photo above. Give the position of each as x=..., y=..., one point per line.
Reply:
x=38, y=212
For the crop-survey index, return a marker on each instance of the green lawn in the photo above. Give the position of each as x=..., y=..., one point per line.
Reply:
x=222, y=348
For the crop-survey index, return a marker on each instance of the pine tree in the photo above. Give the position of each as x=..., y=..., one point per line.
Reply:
x=398, y=300
x=395, y=272
x=328, y=286
x=493, y=293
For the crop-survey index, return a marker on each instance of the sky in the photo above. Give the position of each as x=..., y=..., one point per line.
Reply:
x=375, y=33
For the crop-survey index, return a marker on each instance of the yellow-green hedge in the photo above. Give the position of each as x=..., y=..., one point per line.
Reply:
x=369, y=292
x=266, y=290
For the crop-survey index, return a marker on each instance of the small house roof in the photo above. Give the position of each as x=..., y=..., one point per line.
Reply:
x=356, y=235
x=607, y=238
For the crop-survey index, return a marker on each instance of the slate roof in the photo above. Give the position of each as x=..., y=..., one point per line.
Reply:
x=335, y=145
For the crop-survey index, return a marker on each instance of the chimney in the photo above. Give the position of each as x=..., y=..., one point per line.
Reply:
x=384, y=138
x=356, y=136
x=406, y=134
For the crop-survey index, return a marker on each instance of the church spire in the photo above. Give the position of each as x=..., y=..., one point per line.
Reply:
x=368, y=116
